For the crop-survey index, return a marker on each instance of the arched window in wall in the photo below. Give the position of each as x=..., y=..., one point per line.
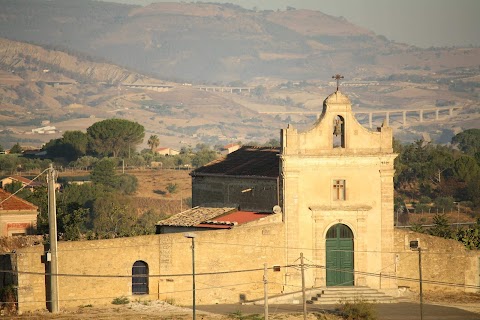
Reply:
x=140, y=277
x=338, y=132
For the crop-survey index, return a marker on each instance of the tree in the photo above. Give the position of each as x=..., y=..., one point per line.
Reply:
x=203, y=156
x=153, y=142
x=113, y=216
x=115, y=137
x=84, y=162
x=74, y=224
x=71, y=146
x=468, y=141
x=441, y=227
x=466, y=168
x=39, y=197
x=147, y=221
x=16, y=148
x=104, y=173
x=126, y=184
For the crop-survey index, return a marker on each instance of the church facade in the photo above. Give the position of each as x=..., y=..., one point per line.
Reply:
x=337, y=187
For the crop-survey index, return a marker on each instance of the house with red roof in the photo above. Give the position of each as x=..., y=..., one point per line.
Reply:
x=17, y=216
x=27, y=183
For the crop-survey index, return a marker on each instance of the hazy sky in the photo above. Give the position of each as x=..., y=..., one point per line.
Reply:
x=423, y=23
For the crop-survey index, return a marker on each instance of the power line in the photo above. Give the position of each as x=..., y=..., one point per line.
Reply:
x=242, y=245
x=23, y=187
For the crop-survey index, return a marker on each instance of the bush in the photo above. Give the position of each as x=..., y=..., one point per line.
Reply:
x=357, y=310
x=172, y=187
x=9, y=299
x=121, y=300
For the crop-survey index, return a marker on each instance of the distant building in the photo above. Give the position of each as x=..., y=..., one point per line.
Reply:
x=27, y=183
x=45, y=130
x=17, y=216
x=167, y=151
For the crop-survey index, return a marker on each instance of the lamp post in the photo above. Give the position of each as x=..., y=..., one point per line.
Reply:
x=192, y=236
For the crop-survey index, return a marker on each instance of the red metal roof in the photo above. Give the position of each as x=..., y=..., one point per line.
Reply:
x=231, y=219
x=14, y=202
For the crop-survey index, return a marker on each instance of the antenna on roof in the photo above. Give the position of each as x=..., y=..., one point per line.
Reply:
x=277, y=209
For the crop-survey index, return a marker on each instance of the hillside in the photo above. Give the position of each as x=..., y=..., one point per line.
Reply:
x=88, y=53
x=215, y=42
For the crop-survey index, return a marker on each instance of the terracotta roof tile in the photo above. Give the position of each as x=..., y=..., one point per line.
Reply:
x=193, y=216
x=14, y=202
x=246, y=161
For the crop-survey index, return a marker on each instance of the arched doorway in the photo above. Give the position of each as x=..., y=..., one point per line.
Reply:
x=339, y=251
x=140, y=277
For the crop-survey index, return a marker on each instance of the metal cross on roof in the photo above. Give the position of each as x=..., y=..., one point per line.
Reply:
x=338, y=77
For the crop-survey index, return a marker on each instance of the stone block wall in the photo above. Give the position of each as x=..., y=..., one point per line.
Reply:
x=446, y=264
x=228, y=265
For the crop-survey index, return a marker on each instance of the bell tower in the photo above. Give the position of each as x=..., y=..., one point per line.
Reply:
x=337, y=197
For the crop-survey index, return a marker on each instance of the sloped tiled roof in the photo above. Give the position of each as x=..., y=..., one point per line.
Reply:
x=14, y=202
x=24, y=180
x=246, y=161
x=193, y=216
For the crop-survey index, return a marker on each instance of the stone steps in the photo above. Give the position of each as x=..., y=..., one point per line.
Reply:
x=333, y=295
x=330, y=295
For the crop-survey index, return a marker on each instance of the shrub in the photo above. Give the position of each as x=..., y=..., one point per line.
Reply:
x=357, y=310
x=9, y=299
x=121, y=300
x=172, y=187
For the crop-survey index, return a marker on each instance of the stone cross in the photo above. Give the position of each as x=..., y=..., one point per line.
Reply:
x=337, y=77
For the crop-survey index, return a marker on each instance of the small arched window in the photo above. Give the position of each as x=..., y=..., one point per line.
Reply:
x=140, y=278
x=338, y=132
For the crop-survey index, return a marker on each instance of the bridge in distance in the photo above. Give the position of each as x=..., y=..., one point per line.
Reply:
x=417, y=115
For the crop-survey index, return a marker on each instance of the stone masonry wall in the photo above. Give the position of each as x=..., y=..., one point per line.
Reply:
x=228, y=265
x=446, y=264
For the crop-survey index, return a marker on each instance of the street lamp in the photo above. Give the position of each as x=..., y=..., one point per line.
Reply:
x=192, y=236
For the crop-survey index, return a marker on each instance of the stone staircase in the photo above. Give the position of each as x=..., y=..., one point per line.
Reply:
x=330, y=295
x=334, y=295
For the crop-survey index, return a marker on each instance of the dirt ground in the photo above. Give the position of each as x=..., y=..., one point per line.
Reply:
x=162, y=310
x=157, y=310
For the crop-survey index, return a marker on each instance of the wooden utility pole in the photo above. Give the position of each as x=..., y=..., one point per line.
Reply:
x=303, y=287
x=265, y=291
x=420, y=278
x=52, y=222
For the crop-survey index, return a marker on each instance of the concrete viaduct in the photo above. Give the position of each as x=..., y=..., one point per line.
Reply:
x=421, y=114
x=162, y=88
x=149, y=86
x=224, y=89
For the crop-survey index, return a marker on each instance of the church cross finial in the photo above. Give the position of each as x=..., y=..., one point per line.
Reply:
x=338, y=77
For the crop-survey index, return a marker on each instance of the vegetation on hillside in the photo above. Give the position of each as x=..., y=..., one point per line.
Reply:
x=429, y=178
x=436, y=178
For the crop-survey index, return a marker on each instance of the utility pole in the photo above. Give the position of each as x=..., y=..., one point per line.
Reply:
x=420, y=278
x=192, y=236
x=303, y=287
x=265, y=291
x=52, y=222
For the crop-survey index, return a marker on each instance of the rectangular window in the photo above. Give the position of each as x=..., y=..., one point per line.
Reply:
x=338, y=189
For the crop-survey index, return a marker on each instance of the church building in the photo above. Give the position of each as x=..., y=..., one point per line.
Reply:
x=332, y=186
x=323, y=201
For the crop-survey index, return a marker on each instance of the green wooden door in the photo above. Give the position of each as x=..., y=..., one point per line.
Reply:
x=339, y=250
